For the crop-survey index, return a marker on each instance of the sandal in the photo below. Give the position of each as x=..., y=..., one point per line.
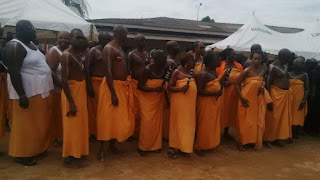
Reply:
x=141, y=152
x=26, y=161
x=186, y=155
x=171, y=154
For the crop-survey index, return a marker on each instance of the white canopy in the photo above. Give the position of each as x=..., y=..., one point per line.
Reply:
x=306, y=43
x=44, y=14
x=310, y=41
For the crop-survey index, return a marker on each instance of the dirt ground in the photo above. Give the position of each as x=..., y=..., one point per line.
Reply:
x=300, y=160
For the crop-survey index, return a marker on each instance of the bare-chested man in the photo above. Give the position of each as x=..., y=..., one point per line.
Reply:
x=173, y=49
x=115, y=118
x=199, y=51
x=278, y=117
x=95, y=72
x=138, y=59
x=53, y=58
x=74, y=102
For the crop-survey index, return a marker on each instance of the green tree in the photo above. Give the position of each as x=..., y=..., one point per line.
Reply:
x=207, y=19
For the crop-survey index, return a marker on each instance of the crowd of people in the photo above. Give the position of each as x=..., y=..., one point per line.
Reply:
x=74, y=93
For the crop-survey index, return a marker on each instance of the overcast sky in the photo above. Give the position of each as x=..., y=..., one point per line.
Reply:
x=288, y=13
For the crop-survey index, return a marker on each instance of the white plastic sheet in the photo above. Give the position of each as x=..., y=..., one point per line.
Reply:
x=43, y=14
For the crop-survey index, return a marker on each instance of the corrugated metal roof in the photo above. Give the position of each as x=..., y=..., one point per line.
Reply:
x=183, y=25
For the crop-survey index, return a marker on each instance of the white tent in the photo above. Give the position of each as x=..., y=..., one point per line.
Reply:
x=254, y=32
x=310, y=41
x=50, y=15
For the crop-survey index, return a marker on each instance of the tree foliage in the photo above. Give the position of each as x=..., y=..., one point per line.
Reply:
x=207, y=19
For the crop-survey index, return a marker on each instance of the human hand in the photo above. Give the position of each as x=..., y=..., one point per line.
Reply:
x=72, y=110
x=24, y=102
x=245, y=102
x=114, y=100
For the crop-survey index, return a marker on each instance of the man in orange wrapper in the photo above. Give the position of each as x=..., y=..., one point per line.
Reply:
x=53, y=58
x=115, y=116
x=138, y=59
x=74, y=102
x=279, y=117
x=94, y=74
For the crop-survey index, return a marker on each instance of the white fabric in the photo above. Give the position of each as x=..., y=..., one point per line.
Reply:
x=35, y=73
x=254, y=32
x=43, y=14
x=310, y=41
x=58, y=50
x=58, y=71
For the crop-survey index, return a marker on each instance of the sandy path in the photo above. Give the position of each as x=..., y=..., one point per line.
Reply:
x=300, y=160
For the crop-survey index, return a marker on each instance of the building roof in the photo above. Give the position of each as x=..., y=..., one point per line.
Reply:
x=178, y=29
x=184, y=24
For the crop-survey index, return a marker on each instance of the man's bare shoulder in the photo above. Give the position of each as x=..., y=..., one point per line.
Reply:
x=170, y=62
x=132, y=53
x=53, y=50
x=66, y=53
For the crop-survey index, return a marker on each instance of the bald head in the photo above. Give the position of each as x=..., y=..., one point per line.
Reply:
x=64, y=39
x=120, y=34
x=172, y=47
x=140, y=41
x=285, y=55
x=298, y=64
x=104, y=38
x=78, y=40
x=256, y=47
x=25, y=30
x=76, y=32
x=199, y=48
